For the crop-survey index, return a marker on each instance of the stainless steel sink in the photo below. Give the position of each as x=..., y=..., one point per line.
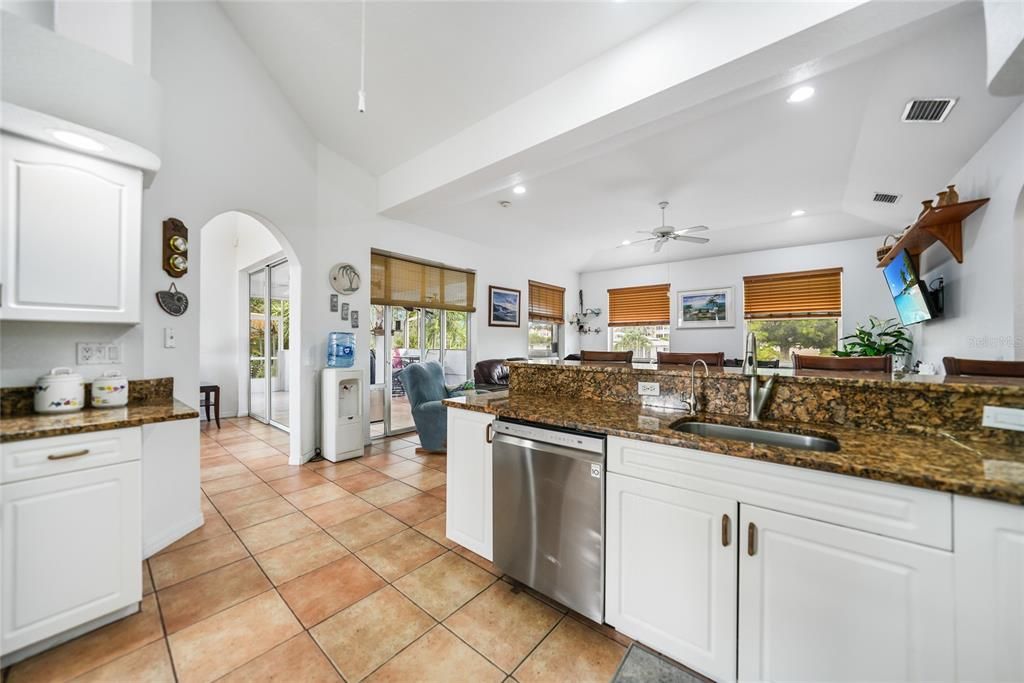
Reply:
x=764, y=436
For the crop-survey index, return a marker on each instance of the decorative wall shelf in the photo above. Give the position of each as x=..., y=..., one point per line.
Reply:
x=938, y=224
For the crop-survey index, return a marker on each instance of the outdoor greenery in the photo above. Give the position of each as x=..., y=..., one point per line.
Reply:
x=777, y=339
x=635, y=339
x=877, y=338
x=455, y=330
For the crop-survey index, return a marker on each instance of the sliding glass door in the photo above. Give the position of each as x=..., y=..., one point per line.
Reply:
x=269, y=344
x=406, y=336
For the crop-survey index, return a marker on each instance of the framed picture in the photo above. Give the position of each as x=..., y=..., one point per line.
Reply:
x=705, y=308
x=503, y=309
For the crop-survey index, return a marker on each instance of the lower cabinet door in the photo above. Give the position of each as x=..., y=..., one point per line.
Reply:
x=820, y=602
x=469, y=516
x=671, y=572
x=72, y=547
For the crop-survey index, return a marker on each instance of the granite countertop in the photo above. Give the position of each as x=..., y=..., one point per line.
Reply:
x=943, y=462
x=35, y=426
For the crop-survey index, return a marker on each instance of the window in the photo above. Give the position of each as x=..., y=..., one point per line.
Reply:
x=547, y=314
x=794, y=313
x=544, y=340
x=638, y=320
x=645, y=341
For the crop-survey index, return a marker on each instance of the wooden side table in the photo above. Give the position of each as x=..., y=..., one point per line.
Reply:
x=211, y=394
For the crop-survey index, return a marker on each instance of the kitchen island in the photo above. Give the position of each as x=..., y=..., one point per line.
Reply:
x=755, y=562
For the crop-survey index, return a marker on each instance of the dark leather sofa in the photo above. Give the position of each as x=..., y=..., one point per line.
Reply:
x=492, y=374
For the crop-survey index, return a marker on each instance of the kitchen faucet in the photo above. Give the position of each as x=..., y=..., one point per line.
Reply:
x=758, y=394
x=691, y=402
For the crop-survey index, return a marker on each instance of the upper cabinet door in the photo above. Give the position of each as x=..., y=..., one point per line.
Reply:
x=70, y=236
x=820, y=602
x=671, y=572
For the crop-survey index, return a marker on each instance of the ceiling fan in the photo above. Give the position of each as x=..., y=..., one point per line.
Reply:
x=662, y=234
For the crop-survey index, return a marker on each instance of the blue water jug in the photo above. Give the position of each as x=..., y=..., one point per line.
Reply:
x=341, y=349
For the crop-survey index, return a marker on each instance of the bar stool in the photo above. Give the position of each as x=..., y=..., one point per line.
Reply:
x=211, y=396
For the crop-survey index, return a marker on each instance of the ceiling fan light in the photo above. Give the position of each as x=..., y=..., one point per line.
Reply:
x=626, y=243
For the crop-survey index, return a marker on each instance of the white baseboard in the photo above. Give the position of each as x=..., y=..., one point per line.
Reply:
x=151, y=546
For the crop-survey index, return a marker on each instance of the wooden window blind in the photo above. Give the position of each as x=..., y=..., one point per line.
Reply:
x=405, y=281
x=809, y=293
x=646, y=305
x=547, y=303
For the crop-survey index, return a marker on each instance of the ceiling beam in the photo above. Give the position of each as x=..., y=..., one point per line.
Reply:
x=706, y=51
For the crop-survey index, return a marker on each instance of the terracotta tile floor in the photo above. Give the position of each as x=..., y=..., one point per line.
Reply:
x=328, y=572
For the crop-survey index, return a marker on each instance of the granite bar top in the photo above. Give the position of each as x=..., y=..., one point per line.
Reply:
x=37, y=426
x=1007, y=386
x=939, y=461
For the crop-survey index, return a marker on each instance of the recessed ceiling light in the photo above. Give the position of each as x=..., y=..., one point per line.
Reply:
x=804, y=92
x=625, y=243
x=519, y=189
x=77, y=140
x=798, y=212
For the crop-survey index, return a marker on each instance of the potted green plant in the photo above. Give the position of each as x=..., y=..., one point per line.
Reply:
x=878, y=338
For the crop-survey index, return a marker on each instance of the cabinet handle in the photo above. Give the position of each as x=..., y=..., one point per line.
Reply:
x=72, y=454
x=489, y=434
x=726, y=531
x=751, y=539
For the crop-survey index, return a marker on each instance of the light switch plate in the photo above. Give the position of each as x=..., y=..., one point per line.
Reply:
x=648, y=388
x=169, y=341
x=1001, y=417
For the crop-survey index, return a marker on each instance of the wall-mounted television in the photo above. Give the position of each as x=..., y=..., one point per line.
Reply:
x=914, y=303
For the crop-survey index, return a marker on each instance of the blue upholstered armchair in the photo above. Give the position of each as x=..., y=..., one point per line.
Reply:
x=424, y=385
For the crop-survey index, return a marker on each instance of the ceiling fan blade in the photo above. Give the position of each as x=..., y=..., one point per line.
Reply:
x=695, y=240
x=633, y=243
x=659, y=244
x=692, y=228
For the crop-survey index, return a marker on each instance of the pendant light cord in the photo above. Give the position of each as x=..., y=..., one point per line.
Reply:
x=362, y=60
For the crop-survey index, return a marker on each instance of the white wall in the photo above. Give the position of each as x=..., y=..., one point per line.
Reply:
x=349, y=228
x=30, y=349
x=864, y=290
x=230, y=243
x=231, y=142
x=983, y=317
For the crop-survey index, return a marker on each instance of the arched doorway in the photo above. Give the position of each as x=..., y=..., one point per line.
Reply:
x=250, y=325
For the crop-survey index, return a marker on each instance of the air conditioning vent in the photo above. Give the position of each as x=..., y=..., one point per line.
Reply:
x=934, y=110
x=886, y=198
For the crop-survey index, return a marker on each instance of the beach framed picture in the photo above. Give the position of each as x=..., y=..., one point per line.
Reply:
x=503, y=306
x=705, y=308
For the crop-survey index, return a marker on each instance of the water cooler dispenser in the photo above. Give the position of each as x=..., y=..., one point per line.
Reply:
x=342, y=401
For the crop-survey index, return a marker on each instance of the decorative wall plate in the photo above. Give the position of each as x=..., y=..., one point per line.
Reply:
x=345, y=278
x=172, y=301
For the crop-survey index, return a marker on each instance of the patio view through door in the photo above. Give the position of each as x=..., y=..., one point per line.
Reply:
x=404, y=336
x=420, y=311
x=269, y=342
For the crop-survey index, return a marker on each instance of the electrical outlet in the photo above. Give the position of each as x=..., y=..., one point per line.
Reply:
x=1001, y=417
x=90, y=353
x=648, y=388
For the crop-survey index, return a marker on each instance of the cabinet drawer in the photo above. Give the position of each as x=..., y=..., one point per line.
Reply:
x=55, y=455
x=903, y=512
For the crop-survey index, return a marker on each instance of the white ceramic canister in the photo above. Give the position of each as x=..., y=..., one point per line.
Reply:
x=60, y=391
x=110, y=390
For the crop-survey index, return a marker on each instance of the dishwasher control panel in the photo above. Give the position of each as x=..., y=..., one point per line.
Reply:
x=579, y=441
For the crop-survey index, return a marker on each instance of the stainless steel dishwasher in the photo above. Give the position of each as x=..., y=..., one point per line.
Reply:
x=549, y=512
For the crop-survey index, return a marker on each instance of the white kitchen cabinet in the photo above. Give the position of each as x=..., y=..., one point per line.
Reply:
x=671, y=572
x=71, y=551
x=70, y=236
x=469, y=518
x=989, y=540
x=821, y=602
